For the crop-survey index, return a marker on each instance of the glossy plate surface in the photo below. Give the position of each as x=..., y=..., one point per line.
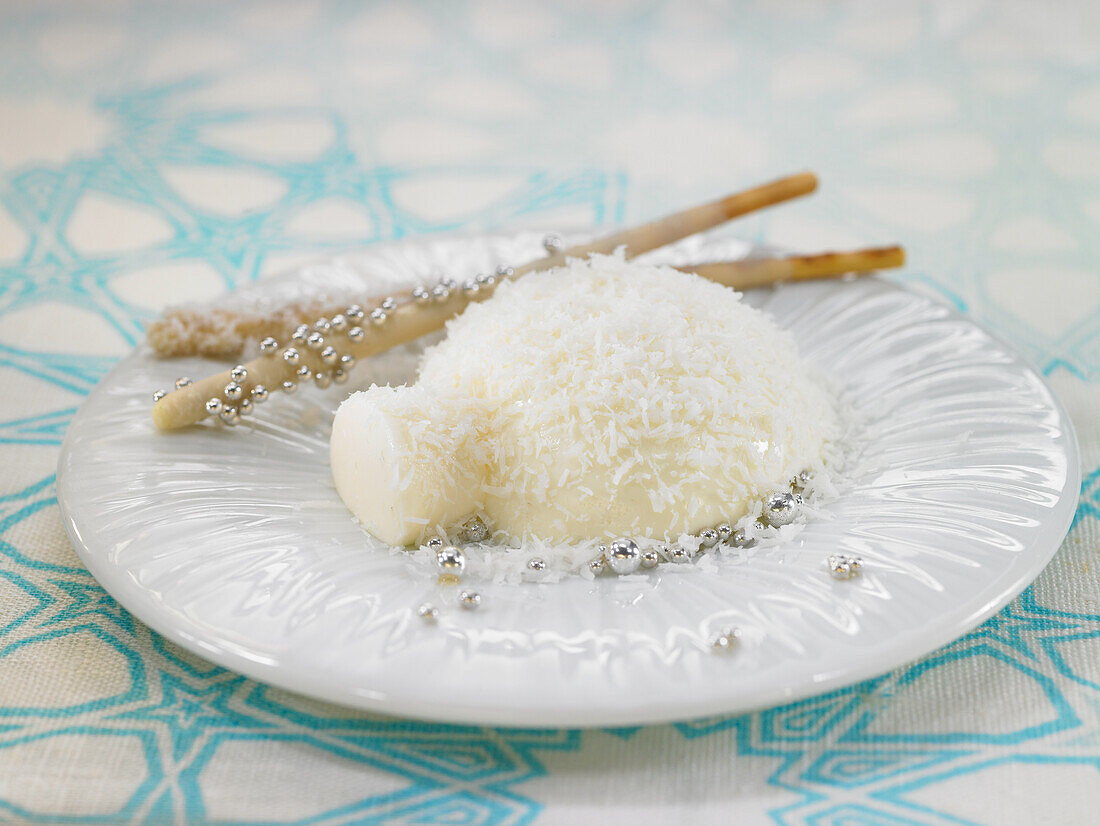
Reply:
x=234, y=544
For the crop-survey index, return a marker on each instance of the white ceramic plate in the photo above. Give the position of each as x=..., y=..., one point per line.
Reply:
x=234, y=544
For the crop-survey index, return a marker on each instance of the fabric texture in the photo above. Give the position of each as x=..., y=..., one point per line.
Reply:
x=152, y=153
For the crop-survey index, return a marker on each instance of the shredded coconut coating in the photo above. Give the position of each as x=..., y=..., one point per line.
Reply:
x=616, y=399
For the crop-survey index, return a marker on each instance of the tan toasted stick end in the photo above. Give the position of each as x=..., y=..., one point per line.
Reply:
x=764, y=272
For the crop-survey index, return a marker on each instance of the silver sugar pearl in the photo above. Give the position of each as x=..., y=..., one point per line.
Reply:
x=291, y=356
x=708, y=538
x=725, y=640
x=259, y=393
x=290, y=386
x=238, y=373
x=389, y=303
x=244, y=407
x=474, y=529
x=782, y=508
x=268, y=346
x=448, y=282
x=441, y=293
x=347, y=361
x=504, y=271
x=679, y=555
x=435, y=543
x=354, y=313
x=843, y=566
x=725, y=531
x=339, y=376
x=428, y=612
x=597, y=565
x=486, y=280
x=158, y=395
x=301, y=332
x=421, y=295
x=377, y=316
x=303, y=373
x=315, y=341
x=623, y=556
x=739, y=540
x=650, y=559
x=229, y=415
x=322, y=379
x=322, y=325
x=214, y=406
x=339, y=323
x=470, y=287
x=469, y=600
x=553, y=244
x=536, y=564
x=451, y=560
x=329, y=355
x=233, y=391
x=355, y=334
x=182, y=382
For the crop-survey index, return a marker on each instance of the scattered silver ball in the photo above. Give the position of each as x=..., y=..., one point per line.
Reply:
x=623, y=556
x=441, y=293
x=504, y=271
x=469, y=600
x=486, y=280
x=182, y=382
x=650, y=559
x=303, y=373
x=322, y=379
x=268, y=346
x=428, y=612
x=725, y=531
x=471, y=287
x=448, y=282
x=474, y=529
x=536, y=564
x=233, y=391
x=259, y=394
x=315, y=341
x=553, y=244
x=679, y=555
x=421, y=295
x=339, y=376
x=322, y=325
x=290, y=386
x=301, y=332
x=739, y=540
x=238, y=373
x=356, y=334
x=339, y=323
x=229, y=415
x=354, y=313
x=725, y=640
x=329, y=355
x=347, y=361
x=389, y=304
x=244, y=407
x=843, y=566
x=158, y=395
x=451, y=560
x=782, y=508
x=597, y=565
x=214, y=406
x=377, y=316
x=435, y=543
x=708, y=538
x=291, y=356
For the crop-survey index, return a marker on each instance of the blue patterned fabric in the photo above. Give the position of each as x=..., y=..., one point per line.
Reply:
x=152, y=153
